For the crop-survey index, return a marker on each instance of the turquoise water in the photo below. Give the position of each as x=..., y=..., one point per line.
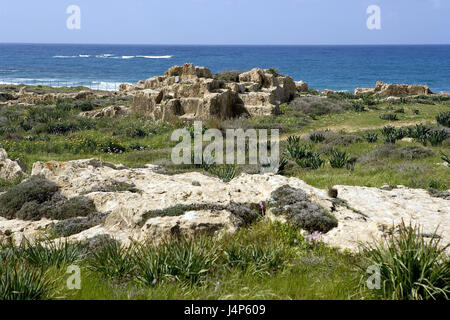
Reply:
x=332, y=67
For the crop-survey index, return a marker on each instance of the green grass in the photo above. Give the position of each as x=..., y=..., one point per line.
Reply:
x=412, y=267
x=264, y=261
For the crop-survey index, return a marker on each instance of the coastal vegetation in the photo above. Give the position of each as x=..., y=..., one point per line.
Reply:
x=340, y=139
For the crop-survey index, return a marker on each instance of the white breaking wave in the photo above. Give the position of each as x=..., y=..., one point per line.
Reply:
x=155, y=57
x=57, y=83
x=113, y=56
x=63, y=57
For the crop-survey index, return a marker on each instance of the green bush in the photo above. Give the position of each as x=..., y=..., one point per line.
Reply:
x=311, y=161
x=317, y=106
x=259, y=259
x=113, y=261
x=338, y=159
x=444, y=118
x=300, y=210
x=436, y=137
x=317, y=137
x=225, y=172
x=412, y=267
x=273, y=72
x=23, y=282
x=389, y=116
x=358, y=107
x=445, y=157
x=371, y=137
x=188, y=260
x=420, y=133
x=36, y=189
x=46, y=254
x=228, y=76
x=391, y=134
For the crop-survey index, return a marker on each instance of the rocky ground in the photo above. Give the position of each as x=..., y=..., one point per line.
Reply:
x=157, y=205
x=144, y=203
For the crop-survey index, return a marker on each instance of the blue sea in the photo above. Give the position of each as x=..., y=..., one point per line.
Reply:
x=341, y=68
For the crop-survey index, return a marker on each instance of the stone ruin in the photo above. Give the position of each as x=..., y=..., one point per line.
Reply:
x=192, y=93
x=394, y=90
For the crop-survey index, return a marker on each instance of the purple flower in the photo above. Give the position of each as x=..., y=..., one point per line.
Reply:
x=261, y=205
x=154, y=281
x=295, y=240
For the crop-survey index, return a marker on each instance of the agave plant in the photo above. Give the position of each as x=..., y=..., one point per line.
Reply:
x=317, y=137
x=436, y=137
x=312, y=161
x=444, y=118
x=371, y=137
x=338, y=159
x=445, y=157
x=226, y=172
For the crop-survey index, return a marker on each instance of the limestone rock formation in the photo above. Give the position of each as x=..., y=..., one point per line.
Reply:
x=191, y=92
x=108, y=112
x=9, y=169
x=395, y=90
x=161, y=205
x=302, y=86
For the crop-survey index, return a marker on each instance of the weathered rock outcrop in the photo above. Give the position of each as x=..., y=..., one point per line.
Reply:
x=161, y=205
x=395, y=90
x=191, y=92
x=9, y=169
x=108, y=112
x=24, y=96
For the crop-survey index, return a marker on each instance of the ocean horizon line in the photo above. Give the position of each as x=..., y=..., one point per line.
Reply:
x=229, y=45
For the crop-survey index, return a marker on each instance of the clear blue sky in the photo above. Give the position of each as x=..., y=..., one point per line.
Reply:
x=226, y=21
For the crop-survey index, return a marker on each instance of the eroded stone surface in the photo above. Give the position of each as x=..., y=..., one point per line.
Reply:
x=363, y=214
x=9, y=169
x=190, y=92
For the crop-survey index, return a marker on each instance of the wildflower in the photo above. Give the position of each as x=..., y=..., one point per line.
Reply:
x=154, y=281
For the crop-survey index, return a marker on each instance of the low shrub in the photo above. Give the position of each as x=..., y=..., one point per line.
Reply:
x=112, y=260
x=36, y=189
x=358, y=107
x=392, y=151
x=228, y=76
x=436, y=137
x=316, y=137
x=311, y=161
x=68, y=227
x=339, y=159
x=22, y=282
x=260, y=259
x=445, y=157
x=186, y=260
x=300, y=210
x=389, y=116
x=225, y=172
x=391, y=134
x=371, y=137
x=444, y=119
x=318, y=106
